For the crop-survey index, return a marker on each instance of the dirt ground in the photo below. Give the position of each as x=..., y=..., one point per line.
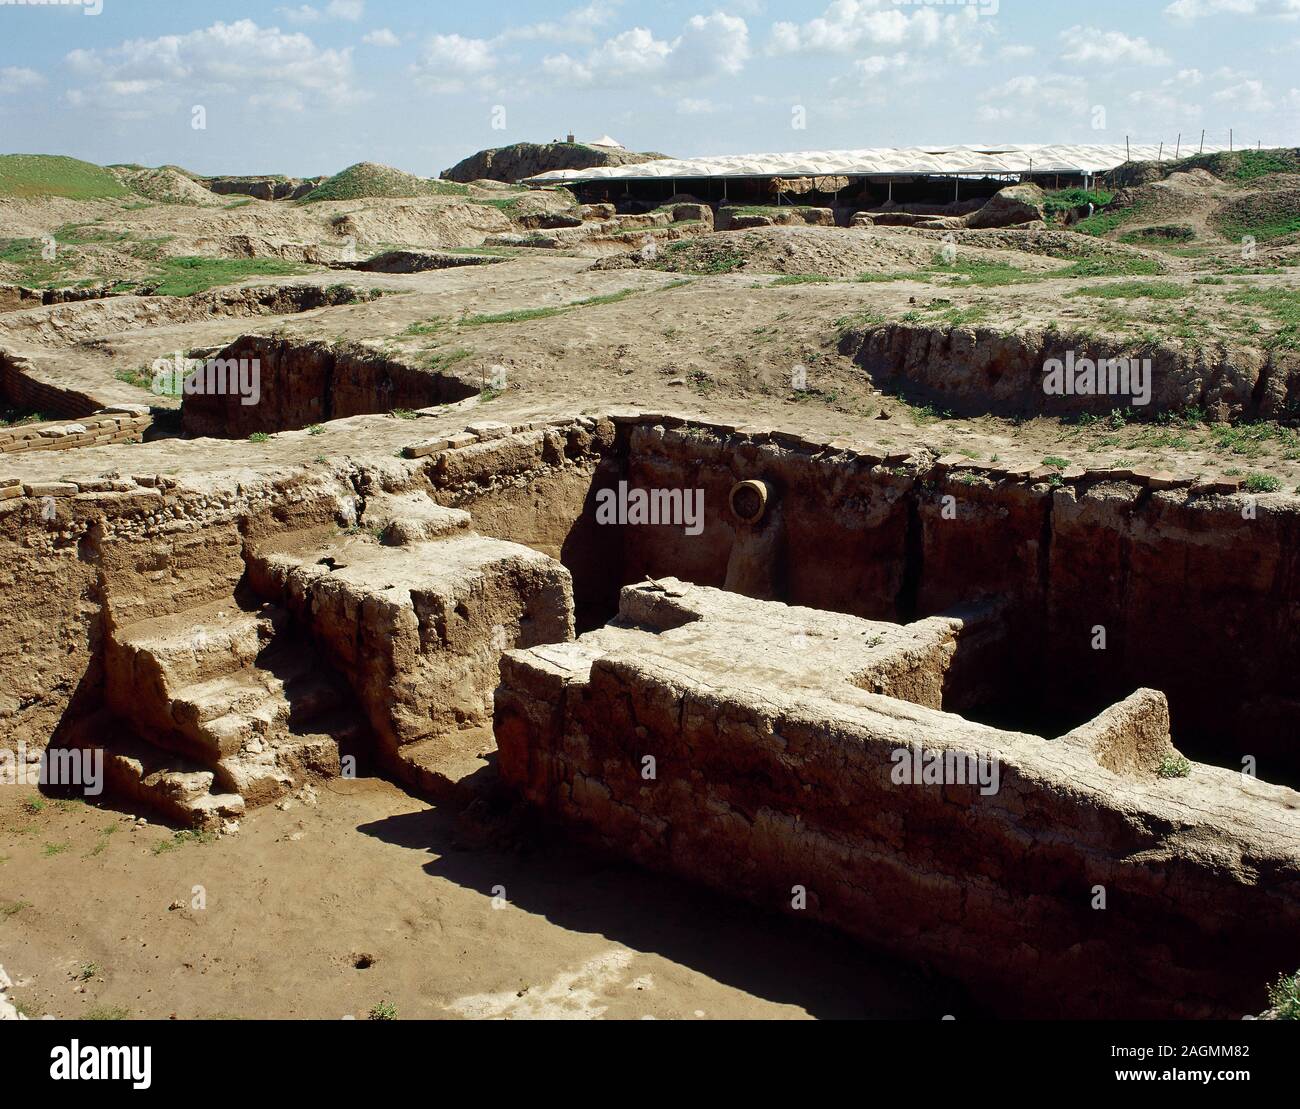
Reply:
x=384, y=899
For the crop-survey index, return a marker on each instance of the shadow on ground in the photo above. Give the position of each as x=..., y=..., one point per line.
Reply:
x=781, y=960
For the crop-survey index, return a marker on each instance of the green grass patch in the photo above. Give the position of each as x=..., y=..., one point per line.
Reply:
x=369, y=179
x=1109, y=219
x=85, y=234
x=1265, y=228
x=966, y=271
x=108, y=1012
x=1254, y=164
x=440, y=361
x=181, y=838
x=982, y=272
x=1162, y=233
x=28, y=175
x=1284, y=997
x=1261, y=483
x=186, y=276
x=1061, y=201
x=428, y=327
x=1174, y=766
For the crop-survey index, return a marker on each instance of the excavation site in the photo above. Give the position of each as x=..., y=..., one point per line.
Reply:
x=600, y=583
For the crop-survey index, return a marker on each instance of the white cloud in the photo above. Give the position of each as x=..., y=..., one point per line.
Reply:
x=304, y=13
x=1088, y=45
x=349, y=10
x=875, y=65
x=1027, y=98
x=1248, y=94
x=224, y=59
x=14, y=78
x=578, y=25
x=449, y=62
x=1016, y=51
x=381, y=37
x=849, y=25
x=709, y=46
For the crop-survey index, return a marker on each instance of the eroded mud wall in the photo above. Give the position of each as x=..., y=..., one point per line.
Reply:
x=79, y=558
x=300, y=384
x=538, y=489
x=1192, y=593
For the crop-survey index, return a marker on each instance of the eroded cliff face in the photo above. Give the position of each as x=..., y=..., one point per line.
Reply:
x=299, y=384
x=977, y=370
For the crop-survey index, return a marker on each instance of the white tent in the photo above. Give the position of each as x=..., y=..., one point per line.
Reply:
x=605, y=140
x=910, y=161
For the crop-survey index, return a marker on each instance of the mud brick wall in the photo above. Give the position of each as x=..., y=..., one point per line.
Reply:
x=109, y=425
x=763, y=796
x=75, y=554
x=19, y=387
x=1199, y=598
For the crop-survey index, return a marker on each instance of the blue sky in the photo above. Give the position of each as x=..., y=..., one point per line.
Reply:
x=306, y=88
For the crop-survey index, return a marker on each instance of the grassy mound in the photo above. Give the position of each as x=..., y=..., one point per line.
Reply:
x=26, y=175
x=166, y=185
x=369, y=179
x=186, y=276
x=1245, y=165
x=1265, y=215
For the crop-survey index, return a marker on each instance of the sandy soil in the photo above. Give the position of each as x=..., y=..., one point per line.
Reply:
x=382, y=898
x=721, y=346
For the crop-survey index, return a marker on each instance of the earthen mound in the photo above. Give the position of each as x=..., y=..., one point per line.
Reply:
x=527, y=159
x=165, y=185
x=824, y=251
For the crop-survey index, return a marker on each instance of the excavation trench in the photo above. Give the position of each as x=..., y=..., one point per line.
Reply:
x=773, y=624
x=1105, y=585
x=299, y=384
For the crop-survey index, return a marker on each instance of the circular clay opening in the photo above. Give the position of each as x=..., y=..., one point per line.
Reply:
x=748, y=501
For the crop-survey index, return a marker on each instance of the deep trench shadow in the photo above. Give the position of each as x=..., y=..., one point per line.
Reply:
x=790, y=962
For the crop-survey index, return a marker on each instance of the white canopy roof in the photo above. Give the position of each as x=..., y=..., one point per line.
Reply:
x=883, y=161
x=605, y=140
